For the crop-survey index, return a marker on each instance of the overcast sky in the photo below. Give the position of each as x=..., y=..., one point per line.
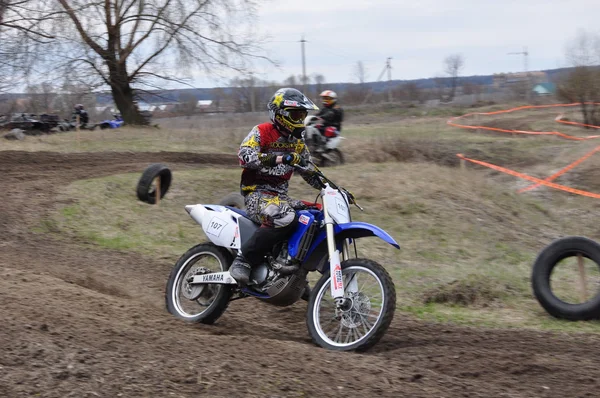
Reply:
x=417, y=34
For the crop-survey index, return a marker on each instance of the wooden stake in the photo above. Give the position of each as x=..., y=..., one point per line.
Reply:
x=157, y=183
x=583, y=290
x=77, y=129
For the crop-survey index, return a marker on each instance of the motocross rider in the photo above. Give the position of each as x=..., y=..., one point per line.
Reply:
x=83, y=115
x=268, y=155
x=331, y=114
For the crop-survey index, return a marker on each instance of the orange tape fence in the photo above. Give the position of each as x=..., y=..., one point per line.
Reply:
x=547, y=181
x=520, y=108
x=530, y=178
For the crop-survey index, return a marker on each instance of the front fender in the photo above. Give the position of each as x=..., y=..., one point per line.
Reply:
x=363, y=229
x=351, y=230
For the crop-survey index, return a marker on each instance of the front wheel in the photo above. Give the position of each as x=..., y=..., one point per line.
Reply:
x=366, y=315
x=198, y=303
x=334, y=158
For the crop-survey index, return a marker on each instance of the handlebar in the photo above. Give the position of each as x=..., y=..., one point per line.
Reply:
x=350, y=197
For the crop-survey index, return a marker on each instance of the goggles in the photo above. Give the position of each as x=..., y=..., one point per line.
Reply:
x=296, y=114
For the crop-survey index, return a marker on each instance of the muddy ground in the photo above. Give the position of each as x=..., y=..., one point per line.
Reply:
x=79, y=321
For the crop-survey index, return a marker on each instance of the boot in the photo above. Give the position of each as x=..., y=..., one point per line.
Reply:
x=240, y=270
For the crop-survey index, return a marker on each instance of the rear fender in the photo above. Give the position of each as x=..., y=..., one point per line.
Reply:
x=221, y=225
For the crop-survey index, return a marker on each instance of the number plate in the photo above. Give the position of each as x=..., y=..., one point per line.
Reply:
x=215, y=226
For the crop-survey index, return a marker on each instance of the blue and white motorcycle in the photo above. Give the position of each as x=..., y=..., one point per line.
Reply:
x=349, y=308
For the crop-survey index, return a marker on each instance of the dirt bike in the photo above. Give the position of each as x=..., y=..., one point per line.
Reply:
x=349, y=308
x=324, y=148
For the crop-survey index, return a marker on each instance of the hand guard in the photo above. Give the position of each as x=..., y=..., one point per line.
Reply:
x=350, y=196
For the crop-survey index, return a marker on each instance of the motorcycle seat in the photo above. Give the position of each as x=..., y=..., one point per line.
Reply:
x=238, y=211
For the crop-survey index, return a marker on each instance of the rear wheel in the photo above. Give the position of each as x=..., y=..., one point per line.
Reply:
x=370, y=303
x=198, y=303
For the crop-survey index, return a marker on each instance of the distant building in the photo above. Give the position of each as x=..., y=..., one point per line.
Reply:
x=506, y=80
x=544, y=89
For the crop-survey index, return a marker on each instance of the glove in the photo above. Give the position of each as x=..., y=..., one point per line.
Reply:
x=292, y=159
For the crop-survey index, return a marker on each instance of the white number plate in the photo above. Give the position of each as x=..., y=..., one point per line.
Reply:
x=215, y=226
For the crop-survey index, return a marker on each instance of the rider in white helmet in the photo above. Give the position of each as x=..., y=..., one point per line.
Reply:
x=331, y=115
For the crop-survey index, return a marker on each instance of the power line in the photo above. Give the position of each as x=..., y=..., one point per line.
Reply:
x=387, y=68
x=525, y=55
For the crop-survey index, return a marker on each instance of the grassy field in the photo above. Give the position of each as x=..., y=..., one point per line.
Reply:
x=468, y=239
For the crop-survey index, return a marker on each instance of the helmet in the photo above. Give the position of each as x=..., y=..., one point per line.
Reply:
x=328, y=98
x=288, y=107
x=78, y=107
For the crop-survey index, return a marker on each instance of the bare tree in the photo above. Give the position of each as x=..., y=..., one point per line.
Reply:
x=132, y=45
x=453, y=65
x=217, y=95
x=583, y=83
x=3, y=7
x=439, y=87
x=291, y=81
x=69, y=93
x=360, y=73
x=319, y=80
x=21, y=37
x=42, y=97
x=250, y=94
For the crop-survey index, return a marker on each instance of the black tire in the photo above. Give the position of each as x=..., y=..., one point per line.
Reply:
x=336, y=154
x=381, y=325
x=544, y=264
x=233, y=199
x=220, y=302
x=146, y=192
x=340, y=156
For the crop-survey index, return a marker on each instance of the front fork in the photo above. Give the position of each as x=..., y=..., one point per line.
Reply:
x=335, y=268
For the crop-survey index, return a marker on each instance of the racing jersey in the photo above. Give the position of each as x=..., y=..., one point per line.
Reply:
x=257, y=155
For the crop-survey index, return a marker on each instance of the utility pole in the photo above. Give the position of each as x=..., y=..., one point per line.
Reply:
x=388, y=68
x=302, y=41
x=252, y=92
x=525, y=55
x=388, y=65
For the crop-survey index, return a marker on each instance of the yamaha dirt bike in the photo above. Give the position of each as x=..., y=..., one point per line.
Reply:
x=324, y=148
x=349, y=308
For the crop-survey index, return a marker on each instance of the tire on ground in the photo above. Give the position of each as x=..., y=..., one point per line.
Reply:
x=233, y=199
x=146, y=191
x=542, y=270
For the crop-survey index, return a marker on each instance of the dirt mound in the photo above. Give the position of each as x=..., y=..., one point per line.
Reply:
x=390, y=149
x=43, y=161
x=110, y=336
x=522, y=124
x=474, y=290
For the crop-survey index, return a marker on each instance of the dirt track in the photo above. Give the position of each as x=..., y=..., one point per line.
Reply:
x=78, y=321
